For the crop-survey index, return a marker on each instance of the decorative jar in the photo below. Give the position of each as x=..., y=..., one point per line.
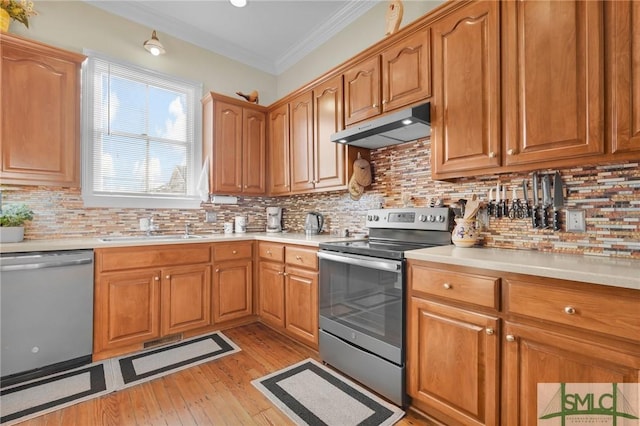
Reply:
x=465, y=233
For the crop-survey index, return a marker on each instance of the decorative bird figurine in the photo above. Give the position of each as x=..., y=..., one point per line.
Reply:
x=251, y=97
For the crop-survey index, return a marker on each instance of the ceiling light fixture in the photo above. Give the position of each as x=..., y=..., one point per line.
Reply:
x=153, y=45
x=238, y=3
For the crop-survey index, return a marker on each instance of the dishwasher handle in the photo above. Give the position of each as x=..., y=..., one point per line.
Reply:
x=42, y=265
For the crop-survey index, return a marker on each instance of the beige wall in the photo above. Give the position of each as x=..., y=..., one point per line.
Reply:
x=360, y=35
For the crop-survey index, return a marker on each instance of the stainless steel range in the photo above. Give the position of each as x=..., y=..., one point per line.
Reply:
x=363, y=296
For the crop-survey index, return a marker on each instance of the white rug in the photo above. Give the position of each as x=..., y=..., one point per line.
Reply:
x=312, y=394
x=36, y=397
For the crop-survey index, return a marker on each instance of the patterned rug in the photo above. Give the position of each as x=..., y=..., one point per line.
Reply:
x=23, y=401
x=312, y=394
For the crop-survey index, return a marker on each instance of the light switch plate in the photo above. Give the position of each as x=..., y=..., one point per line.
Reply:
x=576, y=220
x=210, y=216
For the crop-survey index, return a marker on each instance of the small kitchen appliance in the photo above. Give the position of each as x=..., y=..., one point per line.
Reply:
x=362, y=294
x=313, y=223
x=274, y=219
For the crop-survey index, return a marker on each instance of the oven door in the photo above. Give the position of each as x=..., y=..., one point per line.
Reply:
x=362, y=302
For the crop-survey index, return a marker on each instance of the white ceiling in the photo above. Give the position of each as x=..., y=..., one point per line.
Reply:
x=266, y=34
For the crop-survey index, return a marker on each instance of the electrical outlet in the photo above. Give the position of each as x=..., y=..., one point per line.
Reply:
x=210, y=216
x=576, y=221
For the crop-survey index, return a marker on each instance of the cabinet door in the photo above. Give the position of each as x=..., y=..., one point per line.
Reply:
x=272, y=293
x=39, y=114
x=127, y=309
x=452, y=362
x=553, y=80
x=362, y=88
x=254, y=153
x=301, y=294
x=329, y=165
x=406, y=71
x=301, y=110
x=279, y=165
x=186, y=298
x=466, y=90
x=624, y=60
x=232, y=290
x=227, y=149
x=533, y=356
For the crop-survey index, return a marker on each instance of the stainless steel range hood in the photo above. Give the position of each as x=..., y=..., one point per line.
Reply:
x=403, y=126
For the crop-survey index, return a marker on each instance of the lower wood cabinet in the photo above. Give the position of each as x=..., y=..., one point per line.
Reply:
x=232, y=281
x=479, y=360
x=288, y=290
x=145, y=293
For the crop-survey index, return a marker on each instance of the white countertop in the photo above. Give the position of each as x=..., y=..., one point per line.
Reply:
x=91, y=243
x=614, y=272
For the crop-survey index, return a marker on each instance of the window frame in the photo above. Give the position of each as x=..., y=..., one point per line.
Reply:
x=92, y=199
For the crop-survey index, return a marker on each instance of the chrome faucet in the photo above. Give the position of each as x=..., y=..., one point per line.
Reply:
x=152, y=226
x=187, y=228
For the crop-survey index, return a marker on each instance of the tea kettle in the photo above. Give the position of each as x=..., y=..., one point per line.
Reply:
x=313, y=223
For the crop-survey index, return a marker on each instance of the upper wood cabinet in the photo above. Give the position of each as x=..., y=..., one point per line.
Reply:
x=466, y=90
x=279, y=165
x=301, y=143
x=623, y=58
x=399, y=76
x=329, y=157
x=553, y=78
x=234, y=140
x=40, y=110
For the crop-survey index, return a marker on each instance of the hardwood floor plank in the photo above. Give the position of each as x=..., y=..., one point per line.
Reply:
x=218, y=392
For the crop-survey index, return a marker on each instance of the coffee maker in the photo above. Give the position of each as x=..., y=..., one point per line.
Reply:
x=274, y=219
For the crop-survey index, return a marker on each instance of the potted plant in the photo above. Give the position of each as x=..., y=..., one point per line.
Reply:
x=12, y=219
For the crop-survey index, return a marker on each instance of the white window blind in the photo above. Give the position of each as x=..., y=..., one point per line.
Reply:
x=141, y=136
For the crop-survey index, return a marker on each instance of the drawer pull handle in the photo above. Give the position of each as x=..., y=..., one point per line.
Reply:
x=510, y=338
x=298, y=258
x=235, y=252
x=447, y=286
x=269, y=252
x=569, y=310
x=489, y=331
x=280, y=273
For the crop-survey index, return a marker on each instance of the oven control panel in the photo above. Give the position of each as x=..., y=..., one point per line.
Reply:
x=422, y=218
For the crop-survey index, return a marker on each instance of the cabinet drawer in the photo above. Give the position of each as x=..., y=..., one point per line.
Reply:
x=303, y=257
x=115, y=259
x=230, y=251
x=606, y=310
x=271, y=251
x=477, y=289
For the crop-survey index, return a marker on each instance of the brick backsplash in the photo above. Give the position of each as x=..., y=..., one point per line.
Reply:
x=610, y=196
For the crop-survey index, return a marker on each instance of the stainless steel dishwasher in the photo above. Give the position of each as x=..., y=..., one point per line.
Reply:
x=46, y=312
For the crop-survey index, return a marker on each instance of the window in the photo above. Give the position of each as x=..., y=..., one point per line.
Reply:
x=141, y=137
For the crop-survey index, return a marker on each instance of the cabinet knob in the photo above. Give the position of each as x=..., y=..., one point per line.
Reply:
x=157, y=278
x=239, y=186
x=569, y=310
x=492, y=154
x=375, y=105
x=489, y=331
x=269, y=252
x=384, y=102
x=298, y=257
x=246, y=186
x=510, y=338
x=285, y=274
x=217, y=269
x=168, y=277
x=511, y=151
x=280, y=273
x=447, y=286
x=235, y=252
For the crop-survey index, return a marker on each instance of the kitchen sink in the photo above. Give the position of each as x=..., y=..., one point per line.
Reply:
x=151, y=238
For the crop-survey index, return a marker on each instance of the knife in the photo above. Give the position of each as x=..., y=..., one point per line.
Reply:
x=558, y=200
x=546, y=201
x=534, y=212
x=526, y=198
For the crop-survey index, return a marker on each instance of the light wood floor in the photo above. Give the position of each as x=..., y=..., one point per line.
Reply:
x=214, y=393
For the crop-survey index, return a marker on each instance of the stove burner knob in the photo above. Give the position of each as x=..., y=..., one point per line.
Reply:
x=369, y=218
x=441, y=218
x=376, y=218
x=431, y=218
x=422, y=218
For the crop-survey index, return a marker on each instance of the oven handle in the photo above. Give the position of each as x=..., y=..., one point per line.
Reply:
x=383, y=265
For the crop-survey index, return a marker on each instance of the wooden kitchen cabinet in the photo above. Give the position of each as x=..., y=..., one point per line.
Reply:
x=623, y=58
x=553, y=91
x=232, y=281
x=234, y=140
x=453, y=345
x=146, y=293
x=289, y=290
x=278, y=152
x=397, y=77
x=301, y=133
x=466, y=90
x=565, y=332
x=40, y=114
